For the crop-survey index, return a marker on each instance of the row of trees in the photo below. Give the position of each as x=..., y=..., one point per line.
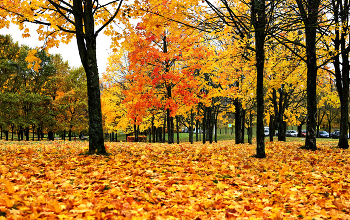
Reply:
x=48, y=99
x=231, y=36
x=172, y=70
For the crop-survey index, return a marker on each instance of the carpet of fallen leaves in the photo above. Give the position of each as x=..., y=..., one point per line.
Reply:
x=53, y=180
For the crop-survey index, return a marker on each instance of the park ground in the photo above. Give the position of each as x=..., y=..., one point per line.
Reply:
x=55, y=180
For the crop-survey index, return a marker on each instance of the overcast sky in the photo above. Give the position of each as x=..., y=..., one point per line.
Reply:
x=69, y=52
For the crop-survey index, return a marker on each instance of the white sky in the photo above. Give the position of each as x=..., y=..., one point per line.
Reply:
x=69, y=52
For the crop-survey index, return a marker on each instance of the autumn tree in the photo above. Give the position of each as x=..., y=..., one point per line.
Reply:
x=71, y=101
x=339, y=10
x=258, y=21
x=84, y=20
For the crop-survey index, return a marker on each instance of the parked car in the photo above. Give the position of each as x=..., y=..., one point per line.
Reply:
x=335, y=135
x=323, y=134
x=291, y=133
x=303, y=133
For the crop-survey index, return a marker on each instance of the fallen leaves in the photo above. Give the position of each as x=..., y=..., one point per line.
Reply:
x=53, y=180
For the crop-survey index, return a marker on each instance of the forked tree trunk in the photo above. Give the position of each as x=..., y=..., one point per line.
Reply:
x=86, y=41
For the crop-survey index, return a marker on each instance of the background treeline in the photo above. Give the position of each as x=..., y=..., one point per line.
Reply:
x=51, y=99
x=203, y=77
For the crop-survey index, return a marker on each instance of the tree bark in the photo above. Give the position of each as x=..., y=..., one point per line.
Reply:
x=164, y=127
x=238, y=122
x=250, y=128
x=341, y=14
x=204, y=124
x=259, y=23
x=177, y=130
x=243, y=124
x=86, y=41
x=281, y=123
x=309, y=15
x=191, y=128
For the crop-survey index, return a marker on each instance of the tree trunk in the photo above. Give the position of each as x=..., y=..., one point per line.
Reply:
x=70, y=134
x=259, y=23
x=238, y=122
x=135, y=134
x=216, y=128
x=243, y=124
x=250, y=128
x=272, y=127
x=164, y=126
x=177, y=130
x=27, y=133
x=309, y=15
x=299, y=130
x=7, y=135
x=86, y=41
x=33, y=138
x=38, y=132
x=197, y=127
x=12, y=130
x=204, y=124
x=281, y=123
x=210, y=124
x=50, y=136
x=191, y=128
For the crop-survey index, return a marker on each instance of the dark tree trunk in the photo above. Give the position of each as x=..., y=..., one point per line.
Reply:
x=27, y=133
x=197, y=127
x=177, y=130
x=136, y=134
x=191, y=128
x=1, y=133
x=309, y=14
x=7, y=135
x=281, y=122
x=299, y=130
x=259, y=23
x=33, y=138
x=21, y=133
x=50, y=136
x=204, y=124
x=64, y=134
x=238, y=122
x=164, y=126
x=170, y=124
x=70, y=134
x=216, y=127
x=243, y=124
x=250, y=128
x=272, y=127
x=210, y=124
x=12, y=130
x=38, y=132
x=86, y=41
x=341, y=66
x=150, y=135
